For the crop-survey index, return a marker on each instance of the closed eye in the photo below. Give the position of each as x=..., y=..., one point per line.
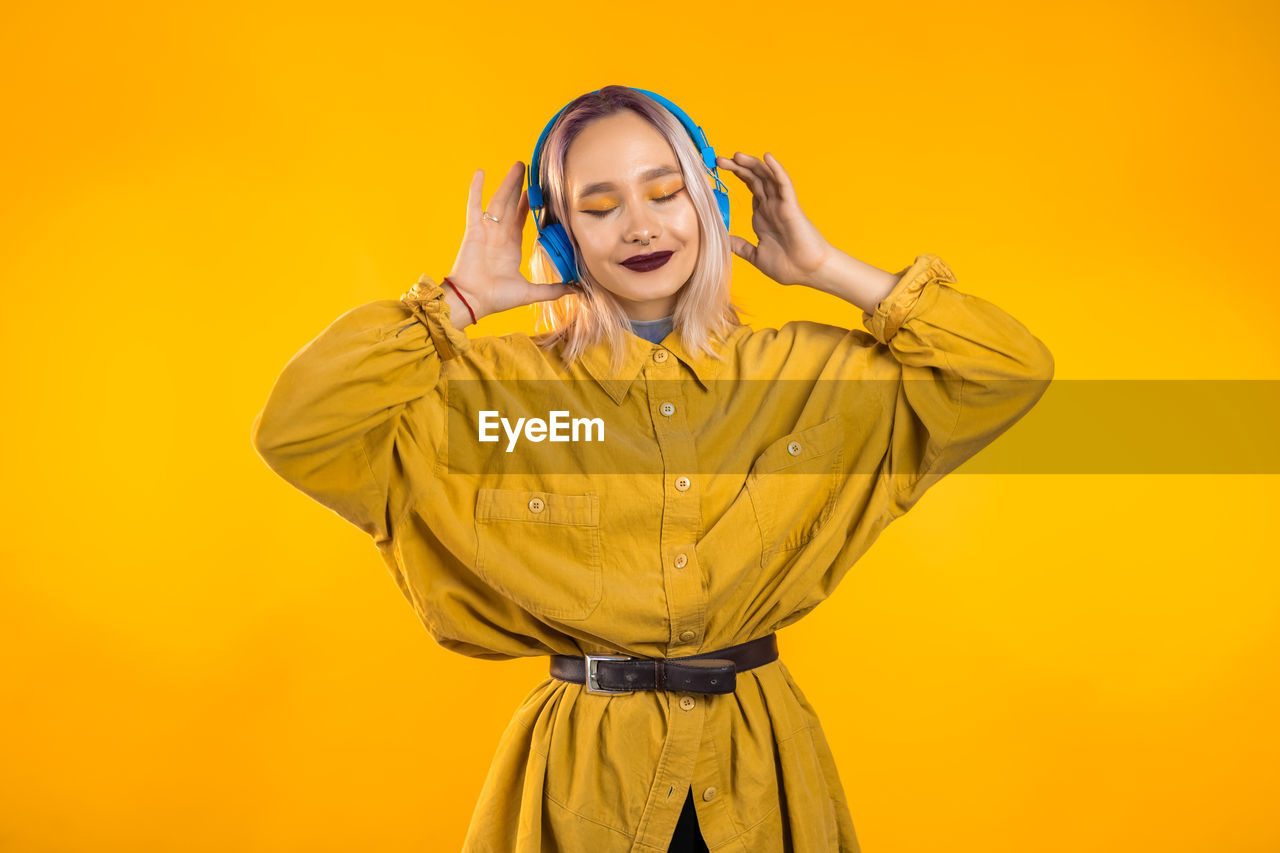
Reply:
x=612, y=209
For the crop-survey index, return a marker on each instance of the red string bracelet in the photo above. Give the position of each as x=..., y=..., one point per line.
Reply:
x=463, y=298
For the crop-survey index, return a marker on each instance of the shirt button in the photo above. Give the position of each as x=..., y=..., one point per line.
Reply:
x=794, y=448
x=709, y=794
x=687, y=635
x=536, y=505
x=682, y=483
x=660, y=356
x=687, y=703
x=668, y=409
x=681, y=559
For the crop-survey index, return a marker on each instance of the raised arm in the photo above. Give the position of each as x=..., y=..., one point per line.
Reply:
x=968, y=372
x=358, y=412
x=360, y=398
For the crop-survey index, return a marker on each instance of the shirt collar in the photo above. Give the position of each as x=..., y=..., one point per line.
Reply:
x=639, y=351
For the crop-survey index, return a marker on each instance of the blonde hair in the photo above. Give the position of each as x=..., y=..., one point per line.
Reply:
x=703, y=306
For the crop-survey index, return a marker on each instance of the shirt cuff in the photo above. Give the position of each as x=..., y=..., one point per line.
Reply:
x=892, y=311
x=427, y=303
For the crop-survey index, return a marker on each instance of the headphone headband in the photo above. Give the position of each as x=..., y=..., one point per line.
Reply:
x=555, y=240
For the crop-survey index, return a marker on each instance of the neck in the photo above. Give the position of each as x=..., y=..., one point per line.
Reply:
x=652, y=309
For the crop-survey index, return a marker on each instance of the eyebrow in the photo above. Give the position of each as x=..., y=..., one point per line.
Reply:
x=602, y=186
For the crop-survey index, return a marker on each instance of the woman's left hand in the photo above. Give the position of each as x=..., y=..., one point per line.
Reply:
x=791, y=250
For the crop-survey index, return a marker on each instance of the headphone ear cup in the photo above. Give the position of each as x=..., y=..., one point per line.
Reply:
x=556, y=243
x=722, y=200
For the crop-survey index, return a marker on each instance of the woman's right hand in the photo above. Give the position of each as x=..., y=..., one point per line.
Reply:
x=487, y=269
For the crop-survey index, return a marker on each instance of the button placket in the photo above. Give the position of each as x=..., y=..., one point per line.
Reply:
x=707, y=782
x=681, y=769
x=681, y=510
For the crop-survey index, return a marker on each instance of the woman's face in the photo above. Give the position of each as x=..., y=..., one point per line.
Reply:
x=625, y=189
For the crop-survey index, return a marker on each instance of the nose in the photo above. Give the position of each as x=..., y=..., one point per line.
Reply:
x=642, y=225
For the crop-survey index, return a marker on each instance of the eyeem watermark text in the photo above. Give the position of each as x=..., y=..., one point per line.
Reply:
x=559, y=428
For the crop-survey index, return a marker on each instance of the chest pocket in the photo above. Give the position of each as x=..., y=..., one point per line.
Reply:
x=541, y=550
x=793, y=485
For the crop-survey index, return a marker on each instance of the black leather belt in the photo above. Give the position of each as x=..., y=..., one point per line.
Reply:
x=709, y=672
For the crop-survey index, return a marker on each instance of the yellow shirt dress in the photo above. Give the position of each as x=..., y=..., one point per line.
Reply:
x=725, y=499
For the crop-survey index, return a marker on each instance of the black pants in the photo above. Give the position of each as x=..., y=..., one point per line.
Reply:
x=688, y=838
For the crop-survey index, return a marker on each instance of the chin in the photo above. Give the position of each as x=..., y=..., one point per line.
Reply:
x=654, y=293
x=648, y=287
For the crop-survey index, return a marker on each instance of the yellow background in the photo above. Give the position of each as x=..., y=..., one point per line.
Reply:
x=198, y=658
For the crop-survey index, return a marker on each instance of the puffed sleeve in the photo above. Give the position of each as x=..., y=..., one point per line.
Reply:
x=358, y=411
x=968, y=371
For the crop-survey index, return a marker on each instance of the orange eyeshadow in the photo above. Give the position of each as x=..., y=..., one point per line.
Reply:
x=609, y=203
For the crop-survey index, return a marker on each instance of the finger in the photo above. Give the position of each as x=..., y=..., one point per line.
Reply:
x=742, y=249
x=729, y=166
x=521, y=215
x=761, y=171
x=511, y=201
x=759, y=185
x=744, y=174
x=502, y=204
x=522, y=211
x=473, y=197
x=548, y=292
x=786, y=187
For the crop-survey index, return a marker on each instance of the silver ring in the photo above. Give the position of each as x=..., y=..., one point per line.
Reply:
x=486, y=215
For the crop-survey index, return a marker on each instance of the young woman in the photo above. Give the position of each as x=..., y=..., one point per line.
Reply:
x=737, y=476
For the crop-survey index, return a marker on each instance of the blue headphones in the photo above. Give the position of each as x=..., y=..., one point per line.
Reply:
x=555, y=241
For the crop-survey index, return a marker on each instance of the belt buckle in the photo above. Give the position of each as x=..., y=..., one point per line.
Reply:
x=593, y=685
